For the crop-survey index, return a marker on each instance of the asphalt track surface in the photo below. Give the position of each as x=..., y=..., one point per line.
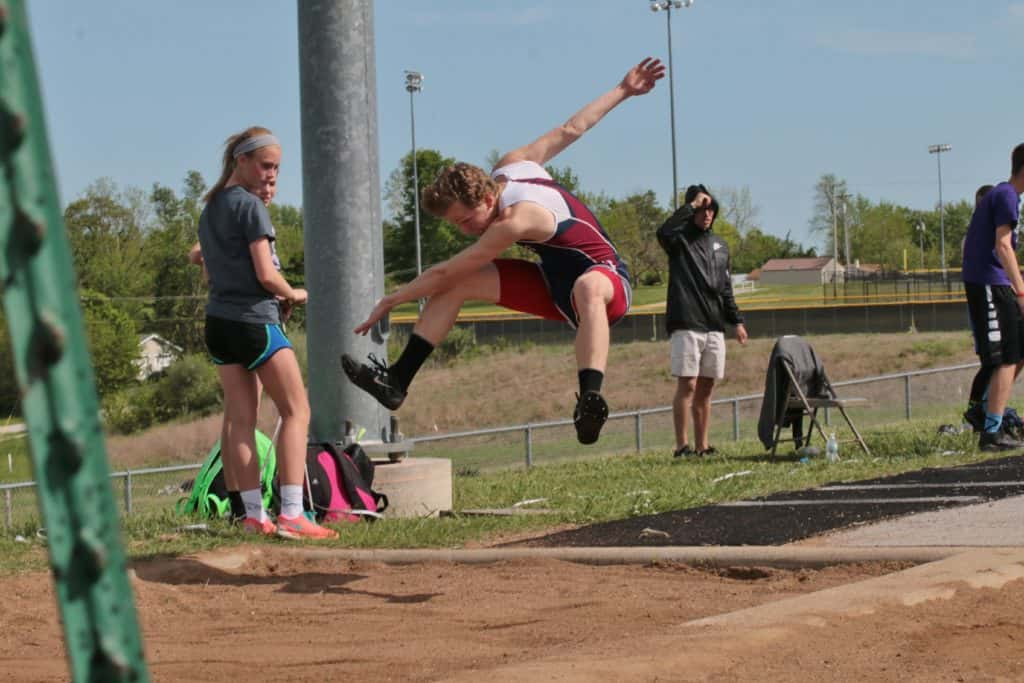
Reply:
x=792, y=516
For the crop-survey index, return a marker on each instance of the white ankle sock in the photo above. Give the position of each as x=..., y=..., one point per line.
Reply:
x=253, y=500
x=291, y=500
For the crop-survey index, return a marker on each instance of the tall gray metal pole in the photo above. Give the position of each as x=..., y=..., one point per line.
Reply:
x=415, y=183
x=937, y=150
x=846, y=231
x=942, y=220
x=668, y=6
x=413, y=84
x=920, y=230
x=341, y=206
x=835, y=246
x=672, y=108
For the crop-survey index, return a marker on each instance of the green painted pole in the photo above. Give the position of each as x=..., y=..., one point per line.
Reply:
x=55, y=376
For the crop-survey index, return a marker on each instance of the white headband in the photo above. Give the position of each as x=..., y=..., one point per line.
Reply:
x=254, y=143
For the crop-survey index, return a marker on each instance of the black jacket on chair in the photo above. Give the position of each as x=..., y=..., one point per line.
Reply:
x=809, y=372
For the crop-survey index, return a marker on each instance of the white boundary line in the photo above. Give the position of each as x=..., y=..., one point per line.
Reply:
x=966, y=484
x=852, y=501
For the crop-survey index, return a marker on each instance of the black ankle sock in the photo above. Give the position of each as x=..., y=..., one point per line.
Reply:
x=237, y=506
x=590, y=380
x=408, y=364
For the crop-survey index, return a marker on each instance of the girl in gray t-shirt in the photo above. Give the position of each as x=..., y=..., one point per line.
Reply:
x=244, y=334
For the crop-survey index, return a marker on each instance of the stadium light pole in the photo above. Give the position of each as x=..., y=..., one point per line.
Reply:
x=920, y=230
x=937, y=150
x=413, y=85
x=846, y=232
x=835, y=247
x=668, y=6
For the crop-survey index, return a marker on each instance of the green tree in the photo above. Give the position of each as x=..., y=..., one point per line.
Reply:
x=113, y=342
x=439, y=239
x=956, y=218
x=756, y=247
x=106, y=230
x=10, y=394
x=632, y=223
x=881, y=233
x=737, y=206
x=290, y=246
x=178, y=288
x=565, y=177
x=829, y=193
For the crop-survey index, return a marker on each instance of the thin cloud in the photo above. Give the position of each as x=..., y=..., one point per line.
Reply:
x=1017, y=10
x=495, y=17
x=883, y=43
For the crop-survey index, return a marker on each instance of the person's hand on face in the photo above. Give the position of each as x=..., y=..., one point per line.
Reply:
x=701, y=201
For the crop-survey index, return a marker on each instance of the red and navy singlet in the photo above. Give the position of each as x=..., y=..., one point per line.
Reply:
x=578, y=244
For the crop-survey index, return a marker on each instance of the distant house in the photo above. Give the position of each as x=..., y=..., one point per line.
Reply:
x=155, y=354
x=817, y=270
x=863, y=270
x=742, y=283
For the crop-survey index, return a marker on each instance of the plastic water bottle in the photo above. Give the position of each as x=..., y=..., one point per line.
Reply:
x=832, y=448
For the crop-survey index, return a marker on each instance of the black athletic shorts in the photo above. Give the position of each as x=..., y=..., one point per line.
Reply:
x=248, y=344
x=996, y=322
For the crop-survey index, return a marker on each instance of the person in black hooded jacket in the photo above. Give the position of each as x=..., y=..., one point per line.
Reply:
x=700, y=303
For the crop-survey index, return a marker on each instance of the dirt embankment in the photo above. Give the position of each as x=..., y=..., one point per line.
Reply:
x=539, y=384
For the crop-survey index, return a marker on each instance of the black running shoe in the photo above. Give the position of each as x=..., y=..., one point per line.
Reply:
x=998, y=441
x=975, y=416
x=374, y=380
x=589, y=416
x=708, y=452
x=684, y=451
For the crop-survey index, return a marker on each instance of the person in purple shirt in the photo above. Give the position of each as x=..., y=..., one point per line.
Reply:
x=995, y=296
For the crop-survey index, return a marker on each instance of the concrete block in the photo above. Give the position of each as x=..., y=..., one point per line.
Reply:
x=415, y=487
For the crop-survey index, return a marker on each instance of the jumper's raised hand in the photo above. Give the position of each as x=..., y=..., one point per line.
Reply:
x=641, y=78
x=382, y=308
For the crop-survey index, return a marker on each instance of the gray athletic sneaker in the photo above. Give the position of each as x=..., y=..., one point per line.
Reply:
x=998, y=441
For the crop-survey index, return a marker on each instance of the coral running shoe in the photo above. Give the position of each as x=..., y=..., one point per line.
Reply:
x=254, y=526
x=300, y=528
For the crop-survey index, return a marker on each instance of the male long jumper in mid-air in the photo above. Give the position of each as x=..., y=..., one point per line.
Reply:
x=580, y=277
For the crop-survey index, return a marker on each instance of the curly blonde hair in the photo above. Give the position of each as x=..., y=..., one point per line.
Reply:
x=461, y=182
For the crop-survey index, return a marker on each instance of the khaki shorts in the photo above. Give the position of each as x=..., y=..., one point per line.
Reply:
x=698, y=354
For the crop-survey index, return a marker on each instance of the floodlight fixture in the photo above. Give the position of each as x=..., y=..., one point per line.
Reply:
x=413, y=81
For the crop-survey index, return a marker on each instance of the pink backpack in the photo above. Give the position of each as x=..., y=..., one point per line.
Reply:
x=340, y=485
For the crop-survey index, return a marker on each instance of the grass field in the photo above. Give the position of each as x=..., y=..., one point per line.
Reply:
x=516, y=386
x=598, y=488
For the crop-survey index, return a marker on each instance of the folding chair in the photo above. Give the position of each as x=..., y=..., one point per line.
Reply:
x=798, y=404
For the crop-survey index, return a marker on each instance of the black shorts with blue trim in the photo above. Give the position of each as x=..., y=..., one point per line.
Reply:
x=250, y=345
x=996, y=322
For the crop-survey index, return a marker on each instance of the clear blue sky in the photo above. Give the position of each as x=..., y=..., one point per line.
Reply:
x=769, y=95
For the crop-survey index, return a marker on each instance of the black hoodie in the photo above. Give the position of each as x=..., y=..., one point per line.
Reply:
x=700, y=294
